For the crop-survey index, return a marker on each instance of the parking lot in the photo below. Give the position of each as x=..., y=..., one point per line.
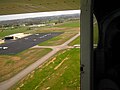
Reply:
x=16, y=46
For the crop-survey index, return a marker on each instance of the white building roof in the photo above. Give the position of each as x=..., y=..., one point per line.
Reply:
x=18, y=35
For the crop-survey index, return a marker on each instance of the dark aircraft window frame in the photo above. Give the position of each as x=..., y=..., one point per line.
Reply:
x=99, y=67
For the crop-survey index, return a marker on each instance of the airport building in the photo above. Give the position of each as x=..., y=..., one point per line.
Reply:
x=16, y=36
x=40, y=25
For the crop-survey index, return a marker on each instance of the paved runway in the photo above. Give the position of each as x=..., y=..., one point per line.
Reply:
x=16, y=46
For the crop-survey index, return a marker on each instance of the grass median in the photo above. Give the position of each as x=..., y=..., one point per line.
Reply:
x=12, y=64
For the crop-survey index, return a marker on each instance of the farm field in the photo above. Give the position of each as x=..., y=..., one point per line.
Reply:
x=61, y=72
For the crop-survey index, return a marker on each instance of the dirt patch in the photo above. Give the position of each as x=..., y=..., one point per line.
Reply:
x=51, y=61
x=60, y=63
x=16, y=58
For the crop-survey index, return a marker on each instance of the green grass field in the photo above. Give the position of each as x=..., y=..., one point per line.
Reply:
x=61, y=72
x=72, y=24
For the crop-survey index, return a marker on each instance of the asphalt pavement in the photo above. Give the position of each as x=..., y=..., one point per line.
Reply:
x=16, y=46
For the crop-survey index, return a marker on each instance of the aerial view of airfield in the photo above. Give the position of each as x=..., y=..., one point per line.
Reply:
x=40, y=53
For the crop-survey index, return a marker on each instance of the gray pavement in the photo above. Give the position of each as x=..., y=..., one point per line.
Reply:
x=10, y=82
x=16, y=46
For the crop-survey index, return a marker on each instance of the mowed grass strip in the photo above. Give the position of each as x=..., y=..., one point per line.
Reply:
x=61, y=72
x=12, y=64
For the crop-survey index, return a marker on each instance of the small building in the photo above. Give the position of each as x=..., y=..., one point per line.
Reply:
x=16, y=36
x=51, y=24
x=39, y=25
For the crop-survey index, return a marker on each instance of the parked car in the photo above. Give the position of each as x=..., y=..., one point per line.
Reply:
x=3, y=47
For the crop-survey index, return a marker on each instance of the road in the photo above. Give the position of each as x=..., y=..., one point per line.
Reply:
x=10, y=82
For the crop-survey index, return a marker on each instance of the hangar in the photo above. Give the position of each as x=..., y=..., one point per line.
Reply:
x=16, y=36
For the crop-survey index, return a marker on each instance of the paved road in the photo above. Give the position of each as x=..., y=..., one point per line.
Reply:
x=10, y=82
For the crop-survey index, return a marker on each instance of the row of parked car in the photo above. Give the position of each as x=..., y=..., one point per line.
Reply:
x=3, y=48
